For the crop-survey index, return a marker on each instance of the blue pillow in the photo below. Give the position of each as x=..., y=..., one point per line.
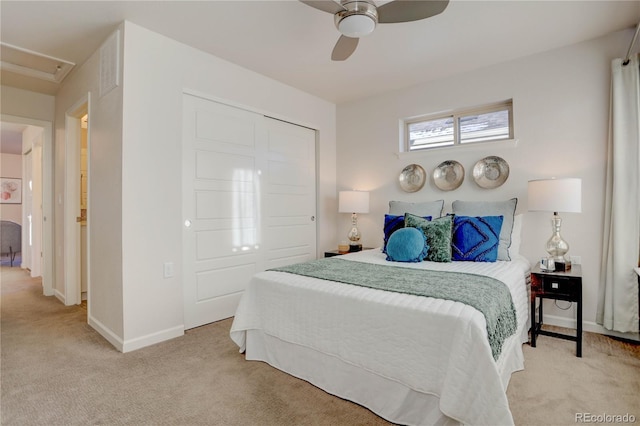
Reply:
x=476, y=239
x=391, y=224
x=407, y=245
x=505, y=208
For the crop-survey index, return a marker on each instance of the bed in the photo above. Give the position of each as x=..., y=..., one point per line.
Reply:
x=410, y=359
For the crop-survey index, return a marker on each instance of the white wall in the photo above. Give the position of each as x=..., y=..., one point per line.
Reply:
x=156, y=72
x=561, y=105
x=24, y=103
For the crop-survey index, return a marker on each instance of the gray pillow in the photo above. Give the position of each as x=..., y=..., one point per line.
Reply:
x=427, y=208
x=507, y=209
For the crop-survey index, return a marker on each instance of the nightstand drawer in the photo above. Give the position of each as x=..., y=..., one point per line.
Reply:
x=559, y=285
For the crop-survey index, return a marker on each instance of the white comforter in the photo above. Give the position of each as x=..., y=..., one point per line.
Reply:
x=432, y=346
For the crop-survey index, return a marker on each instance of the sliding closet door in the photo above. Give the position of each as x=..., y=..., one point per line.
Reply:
x=243, y=178
x=290, y=194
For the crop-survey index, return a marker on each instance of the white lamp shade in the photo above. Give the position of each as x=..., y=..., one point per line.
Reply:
x=555, y=195
x=353, y=202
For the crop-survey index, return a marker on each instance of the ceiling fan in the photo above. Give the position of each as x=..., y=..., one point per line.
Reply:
x=358, y=18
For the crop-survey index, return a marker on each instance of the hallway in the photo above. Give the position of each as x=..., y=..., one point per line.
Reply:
x=15, y=279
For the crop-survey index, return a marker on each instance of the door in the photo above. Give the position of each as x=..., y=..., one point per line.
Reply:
x=27, y=206
x=248, y=203
x=36, y=209
x=289, y=194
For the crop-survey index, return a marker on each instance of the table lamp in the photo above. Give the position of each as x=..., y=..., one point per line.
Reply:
x=556, y=195
x=353, y=202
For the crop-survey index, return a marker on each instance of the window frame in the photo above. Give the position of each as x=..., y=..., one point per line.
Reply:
x=456, y=116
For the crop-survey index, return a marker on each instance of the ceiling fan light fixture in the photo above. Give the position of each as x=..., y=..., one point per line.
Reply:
x=357, y=20
x=356, y=26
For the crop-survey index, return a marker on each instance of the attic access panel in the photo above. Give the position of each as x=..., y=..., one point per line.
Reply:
x=33, y=64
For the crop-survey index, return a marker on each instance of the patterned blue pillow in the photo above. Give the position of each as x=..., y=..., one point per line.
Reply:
x=476, y=239
x=391, y=224
x=407, y=245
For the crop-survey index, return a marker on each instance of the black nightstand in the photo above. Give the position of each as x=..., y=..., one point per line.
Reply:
x=558, y=286
x=337, y=253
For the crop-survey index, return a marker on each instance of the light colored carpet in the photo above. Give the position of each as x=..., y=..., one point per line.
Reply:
x=56, y=370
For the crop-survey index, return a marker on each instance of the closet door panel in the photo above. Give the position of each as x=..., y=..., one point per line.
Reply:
x=290, y=194
x=223, y=124
x=223, y=282
x=249, y=199
x=220, y=207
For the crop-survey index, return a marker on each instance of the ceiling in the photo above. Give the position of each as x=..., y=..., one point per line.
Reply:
x=11, y=138
x=292, y=42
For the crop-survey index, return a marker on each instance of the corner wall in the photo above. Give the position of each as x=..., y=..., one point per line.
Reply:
x=105, y=199
x=560, y=106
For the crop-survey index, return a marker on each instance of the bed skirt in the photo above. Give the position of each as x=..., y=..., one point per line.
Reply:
x=385, y=397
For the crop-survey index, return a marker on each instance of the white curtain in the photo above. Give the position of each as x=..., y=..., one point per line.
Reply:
x=618, y=298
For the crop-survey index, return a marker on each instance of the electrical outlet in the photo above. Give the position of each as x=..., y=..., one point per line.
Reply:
x=168, y=269
x=576, y=260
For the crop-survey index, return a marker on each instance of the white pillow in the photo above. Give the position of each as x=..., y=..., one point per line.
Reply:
x=516, y=239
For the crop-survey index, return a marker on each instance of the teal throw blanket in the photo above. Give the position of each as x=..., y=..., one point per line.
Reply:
x=489, y=296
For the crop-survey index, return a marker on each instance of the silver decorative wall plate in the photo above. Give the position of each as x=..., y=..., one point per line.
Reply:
x=448, y=175
x=412, y=178
x=491, y=172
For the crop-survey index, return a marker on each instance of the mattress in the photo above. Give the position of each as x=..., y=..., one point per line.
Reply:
x=409, y=359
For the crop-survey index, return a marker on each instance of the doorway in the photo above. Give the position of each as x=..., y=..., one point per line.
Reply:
x=76, y=202
x=38, y=162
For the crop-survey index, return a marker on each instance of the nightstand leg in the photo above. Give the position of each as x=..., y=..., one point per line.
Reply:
x=533, y=323
x=579, y=329
x=540, y=313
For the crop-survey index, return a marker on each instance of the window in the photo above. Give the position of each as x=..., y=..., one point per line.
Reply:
x=483, y=124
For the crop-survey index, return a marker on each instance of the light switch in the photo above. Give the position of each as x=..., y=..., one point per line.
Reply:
x=168, y=269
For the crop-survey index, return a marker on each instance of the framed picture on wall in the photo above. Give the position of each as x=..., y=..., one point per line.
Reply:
x=10, y=191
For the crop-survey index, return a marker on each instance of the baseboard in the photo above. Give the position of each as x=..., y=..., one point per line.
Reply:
x=106, y=332
x=153, y=338
x=588, y=326
x=139, y=342
x=60, y=296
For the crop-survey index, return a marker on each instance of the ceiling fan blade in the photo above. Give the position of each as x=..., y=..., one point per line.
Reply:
x=344, y=48
x=325, y=5
x=410, y=10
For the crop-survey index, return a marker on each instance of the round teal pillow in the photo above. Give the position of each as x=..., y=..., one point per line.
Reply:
x=407, y=245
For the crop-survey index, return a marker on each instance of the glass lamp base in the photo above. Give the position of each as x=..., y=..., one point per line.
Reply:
x=557, y=247
x=354, y=235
